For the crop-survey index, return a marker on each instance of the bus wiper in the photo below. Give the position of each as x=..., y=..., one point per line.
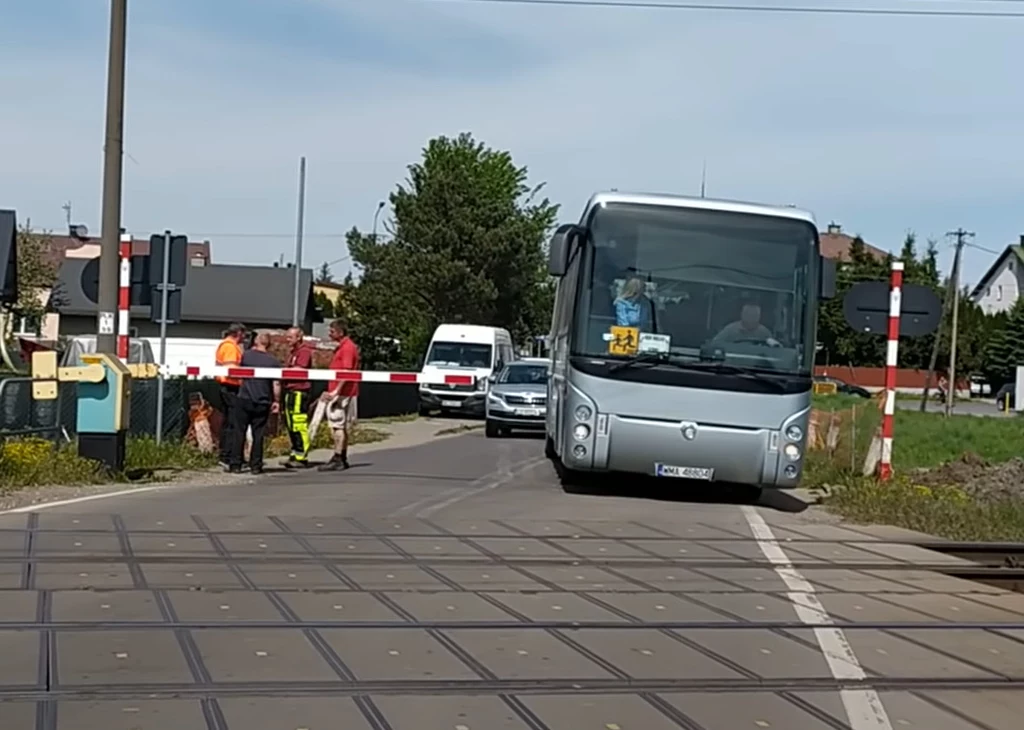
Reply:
x=644, y=358
x=660, y=358
x=724, y=369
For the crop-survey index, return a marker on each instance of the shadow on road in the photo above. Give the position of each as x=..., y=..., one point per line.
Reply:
x=634, y=487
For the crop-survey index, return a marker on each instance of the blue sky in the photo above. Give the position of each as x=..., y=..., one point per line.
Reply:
x=881, y=124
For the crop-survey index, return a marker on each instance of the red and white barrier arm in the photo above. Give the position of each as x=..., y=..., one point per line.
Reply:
x=357, y=376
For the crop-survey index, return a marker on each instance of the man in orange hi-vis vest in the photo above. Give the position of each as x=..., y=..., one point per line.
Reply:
x=229, y=352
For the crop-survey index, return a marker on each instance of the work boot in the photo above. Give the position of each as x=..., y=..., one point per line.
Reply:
x=294, y=463
x=335, y=464
x=344, y=459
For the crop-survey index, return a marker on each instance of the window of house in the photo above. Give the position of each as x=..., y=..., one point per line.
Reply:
x=1009, y=265
x=999, y=293
x=26, y=326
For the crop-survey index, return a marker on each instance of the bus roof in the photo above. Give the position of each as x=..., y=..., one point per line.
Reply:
x=684, y=201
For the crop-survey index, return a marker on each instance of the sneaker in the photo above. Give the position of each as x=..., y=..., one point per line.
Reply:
x=256, y=470
x=296, y=464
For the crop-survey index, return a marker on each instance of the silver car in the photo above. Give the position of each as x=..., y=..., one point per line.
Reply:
x=517, y=398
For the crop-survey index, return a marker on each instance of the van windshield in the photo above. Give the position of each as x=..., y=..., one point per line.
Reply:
x=460, y=354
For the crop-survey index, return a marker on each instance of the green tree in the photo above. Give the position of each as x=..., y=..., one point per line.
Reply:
x=37, y=275
x=1004, y=350
x=324, y=274
x=324, y=304
x=466, y=245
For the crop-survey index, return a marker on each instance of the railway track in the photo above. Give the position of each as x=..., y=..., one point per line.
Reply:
x=999, y=564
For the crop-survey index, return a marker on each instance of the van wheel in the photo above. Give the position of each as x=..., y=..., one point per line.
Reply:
x=491, y=430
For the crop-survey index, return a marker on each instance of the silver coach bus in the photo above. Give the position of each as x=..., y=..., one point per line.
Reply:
x=683, y=340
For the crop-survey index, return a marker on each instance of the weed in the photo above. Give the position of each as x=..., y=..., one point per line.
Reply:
x=145, y=453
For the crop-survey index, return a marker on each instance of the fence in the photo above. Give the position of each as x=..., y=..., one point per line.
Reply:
x=842, y=436
x=20, y=414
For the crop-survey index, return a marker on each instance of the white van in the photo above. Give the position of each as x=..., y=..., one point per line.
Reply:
x=463, y=349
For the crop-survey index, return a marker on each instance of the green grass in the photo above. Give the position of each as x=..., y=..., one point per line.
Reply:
x=145, y=453
x=943, y=511
x=361, y=434
x=32, y=462
x=924, y=496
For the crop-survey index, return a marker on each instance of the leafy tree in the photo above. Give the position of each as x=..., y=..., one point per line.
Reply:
x=1004, y=350
x=324, y=274
x=37, y=274
x=324, y=304
x=466, y=245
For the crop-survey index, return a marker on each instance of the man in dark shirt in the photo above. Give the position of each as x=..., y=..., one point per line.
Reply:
x=257, y=399
x=296, y=400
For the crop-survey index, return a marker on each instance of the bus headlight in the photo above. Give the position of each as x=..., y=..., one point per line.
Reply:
x=794, y=433
x=792, y=452
x=581, y=432
x=583, y=413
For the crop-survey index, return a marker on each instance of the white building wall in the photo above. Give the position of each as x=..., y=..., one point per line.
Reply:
x=1002, y=290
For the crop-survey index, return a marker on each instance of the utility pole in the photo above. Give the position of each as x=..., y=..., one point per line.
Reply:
x=961, y=239
x=113, y=150
x=946, y=302
x=298, y=240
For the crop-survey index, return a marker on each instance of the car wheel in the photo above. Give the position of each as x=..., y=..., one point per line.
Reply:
x=491, y=430
x=424, y=411
x=549, y=448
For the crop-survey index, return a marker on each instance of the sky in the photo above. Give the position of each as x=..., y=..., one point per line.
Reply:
x=880, y=124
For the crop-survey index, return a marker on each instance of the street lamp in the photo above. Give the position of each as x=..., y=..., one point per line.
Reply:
x=376, y=215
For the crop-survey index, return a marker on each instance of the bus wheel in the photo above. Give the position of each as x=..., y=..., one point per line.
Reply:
x=572, y=481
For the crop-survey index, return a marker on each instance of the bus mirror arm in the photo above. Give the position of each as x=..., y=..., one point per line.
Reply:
x=828, y=278
x=560, y=247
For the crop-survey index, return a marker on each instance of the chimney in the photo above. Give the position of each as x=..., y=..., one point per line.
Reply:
x=1022, y=239
x=834, y=228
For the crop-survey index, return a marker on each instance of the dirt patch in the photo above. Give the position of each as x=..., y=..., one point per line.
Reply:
x=977, y=477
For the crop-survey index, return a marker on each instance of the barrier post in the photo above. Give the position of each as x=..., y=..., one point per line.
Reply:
x=891, y=355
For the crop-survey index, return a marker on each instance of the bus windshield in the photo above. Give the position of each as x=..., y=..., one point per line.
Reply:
x=692, y=284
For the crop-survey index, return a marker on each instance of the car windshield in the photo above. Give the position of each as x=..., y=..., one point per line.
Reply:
x=525, y=375
x=460, y=354
x=699, y=284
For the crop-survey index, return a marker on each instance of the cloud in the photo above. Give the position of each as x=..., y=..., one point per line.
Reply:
x=883, y=124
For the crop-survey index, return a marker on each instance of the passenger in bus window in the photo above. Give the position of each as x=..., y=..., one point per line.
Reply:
x=632, y=307
x=747, y=328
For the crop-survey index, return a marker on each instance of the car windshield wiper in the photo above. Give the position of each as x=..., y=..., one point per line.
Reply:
x=659, y=358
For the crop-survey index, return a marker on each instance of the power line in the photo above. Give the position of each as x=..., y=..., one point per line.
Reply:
x=727, y=7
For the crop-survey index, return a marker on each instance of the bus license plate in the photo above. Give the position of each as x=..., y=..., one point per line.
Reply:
x=527, y=411
x=451, y=403
x=684, y=472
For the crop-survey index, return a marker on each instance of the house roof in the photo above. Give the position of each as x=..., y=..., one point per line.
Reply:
x=61, y=245
x=836, y=245
x=253, y=295
x=983, y=282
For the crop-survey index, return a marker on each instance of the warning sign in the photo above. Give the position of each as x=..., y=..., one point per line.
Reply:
x=623, y=341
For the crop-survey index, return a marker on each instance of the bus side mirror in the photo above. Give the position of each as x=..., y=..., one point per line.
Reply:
x=828, y=278
x=559, y=248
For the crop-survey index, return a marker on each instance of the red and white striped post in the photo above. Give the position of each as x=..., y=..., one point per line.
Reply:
x=124, y=289
x=891, y=354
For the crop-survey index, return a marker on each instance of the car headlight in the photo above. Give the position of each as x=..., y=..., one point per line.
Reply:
x=581, y=431
x=792, y=452
x=794, y=433
x=583, y=413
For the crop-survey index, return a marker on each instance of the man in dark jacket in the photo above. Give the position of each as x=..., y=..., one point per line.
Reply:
x=257, y=399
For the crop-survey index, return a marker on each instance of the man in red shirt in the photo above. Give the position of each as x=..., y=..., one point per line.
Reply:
x=296, y=399
x=341, y=396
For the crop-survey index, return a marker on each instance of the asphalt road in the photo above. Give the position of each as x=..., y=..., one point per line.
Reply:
x=453, y=586
x=961, y=407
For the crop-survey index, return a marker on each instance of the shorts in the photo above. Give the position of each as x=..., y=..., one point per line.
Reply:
x=342, y=412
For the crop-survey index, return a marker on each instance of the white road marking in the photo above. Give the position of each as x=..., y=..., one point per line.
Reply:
x=863, y=706
x=505, y=475
x=88, y=498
